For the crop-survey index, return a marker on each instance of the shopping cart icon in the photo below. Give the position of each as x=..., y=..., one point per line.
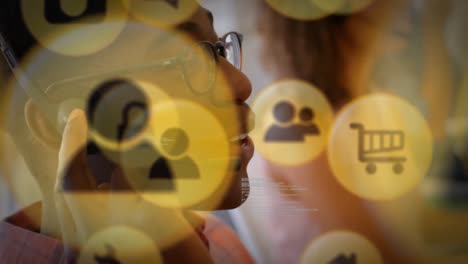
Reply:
x=377, y=146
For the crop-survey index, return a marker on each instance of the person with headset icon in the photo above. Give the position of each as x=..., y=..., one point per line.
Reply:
x=123, y=128
x=134, y=118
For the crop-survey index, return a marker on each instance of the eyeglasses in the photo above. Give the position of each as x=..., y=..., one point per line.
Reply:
x=229, y=47
x=200, y=76
x=198, y=72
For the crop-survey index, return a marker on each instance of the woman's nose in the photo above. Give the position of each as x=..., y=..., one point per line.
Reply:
x=240, y=84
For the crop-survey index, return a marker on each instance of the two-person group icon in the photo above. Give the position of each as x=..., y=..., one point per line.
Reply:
x=286, y=130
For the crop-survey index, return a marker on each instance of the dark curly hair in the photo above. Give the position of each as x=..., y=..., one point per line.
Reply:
x=14, y=29
x=307, y=50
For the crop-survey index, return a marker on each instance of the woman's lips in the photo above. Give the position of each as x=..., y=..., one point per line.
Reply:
x=245, y=143
x=247, y=149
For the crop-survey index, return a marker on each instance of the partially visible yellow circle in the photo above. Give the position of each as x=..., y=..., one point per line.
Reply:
x=197, y=173
x=342, y=6
x=380, y=147
x=163, y=13
x=120, y=244
x=298, y=9
x=301, y=95
x=328, y=5
x=102, y=30
x=459, y=125
x=339, y=247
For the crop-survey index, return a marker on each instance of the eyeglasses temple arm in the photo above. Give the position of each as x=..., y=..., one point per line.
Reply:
x=159, y=64
x=30, y=88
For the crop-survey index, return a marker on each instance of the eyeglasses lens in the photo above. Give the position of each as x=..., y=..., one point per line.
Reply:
x=233, y=50
x=200, y=68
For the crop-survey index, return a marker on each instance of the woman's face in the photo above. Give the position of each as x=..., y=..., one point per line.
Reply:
x=141, y=44
x=200, y=27
x=225, y=100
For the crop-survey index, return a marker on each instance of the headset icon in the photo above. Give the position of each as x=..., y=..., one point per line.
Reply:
x=126, y=117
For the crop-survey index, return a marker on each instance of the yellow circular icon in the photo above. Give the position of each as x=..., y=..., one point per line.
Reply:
x=120, y=244
x=120, y=113
x=341, y=247
x=342, y=6
x=99, y=21
x=380, y=147
x=292, y=122
x=191, y=158
x=163, y=13
x=159, y=69
x=298, y=9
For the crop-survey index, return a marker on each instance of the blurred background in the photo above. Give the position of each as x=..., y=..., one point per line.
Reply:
x=252, y=220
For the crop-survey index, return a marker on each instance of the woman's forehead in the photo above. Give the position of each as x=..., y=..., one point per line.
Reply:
x=200, y=25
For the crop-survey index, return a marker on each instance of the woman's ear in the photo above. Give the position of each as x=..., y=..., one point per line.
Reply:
x=39, y=126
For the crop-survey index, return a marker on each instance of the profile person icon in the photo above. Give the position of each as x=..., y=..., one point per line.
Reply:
x=285, y=130
x=175, y=144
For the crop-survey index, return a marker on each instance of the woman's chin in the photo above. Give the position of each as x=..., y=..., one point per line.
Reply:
x=237, y=193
